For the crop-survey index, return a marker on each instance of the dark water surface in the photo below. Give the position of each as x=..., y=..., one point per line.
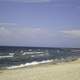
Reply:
x=12, y=55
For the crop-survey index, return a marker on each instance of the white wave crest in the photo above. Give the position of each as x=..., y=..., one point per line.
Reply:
x=29, y=64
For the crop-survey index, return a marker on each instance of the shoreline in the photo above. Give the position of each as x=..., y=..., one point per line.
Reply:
x=64, y=71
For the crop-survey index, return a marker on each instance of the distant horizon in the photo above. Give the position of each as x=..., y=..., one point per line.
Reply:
x=39, y=46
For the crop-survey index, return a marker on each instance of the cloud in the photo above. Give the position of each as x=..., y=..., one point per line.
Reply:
x=72, y=33
x=37, y=36
x=7, y=24
x=13, y=28
x=29, y=1
x=24, y=34
x=29, y=36
x=17, y=35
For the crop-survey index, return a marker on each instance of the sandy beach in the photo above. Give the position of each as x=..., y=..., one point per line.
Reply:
x=64, y=71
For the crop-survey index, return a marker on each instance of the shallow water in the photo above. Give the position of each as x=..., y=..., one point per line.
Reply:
x=29, y=64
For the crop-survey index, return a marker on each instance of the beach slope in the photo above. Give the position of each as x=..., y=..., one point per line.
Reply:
x=63, y=71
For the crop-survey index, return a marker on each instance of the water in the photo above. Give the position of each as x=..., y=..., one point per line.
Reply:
x=29, y=64
x=16, y=57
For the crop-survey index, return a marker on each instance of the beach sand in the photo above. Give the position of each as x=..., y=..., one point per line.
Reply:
x=63, y=71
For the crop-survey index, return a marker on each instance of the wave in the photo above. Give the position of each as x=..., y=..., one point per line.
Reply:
x=29, y=64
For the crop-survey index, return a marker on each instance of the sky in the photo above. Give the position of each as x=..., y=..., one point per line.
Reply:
x=42, y=23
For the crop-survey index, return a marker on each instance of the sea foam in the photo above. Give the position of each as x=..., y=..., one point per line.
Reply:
x=29, y=64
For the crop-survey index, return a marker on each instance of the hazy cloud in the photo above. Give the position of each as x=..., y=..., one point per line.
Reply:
x=72, y=33
x=28, y=36
x=24, y=34
x=37, y=36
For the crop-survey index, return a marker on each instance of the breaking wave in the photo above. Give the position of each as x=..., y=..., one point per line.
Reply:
x=29, y=64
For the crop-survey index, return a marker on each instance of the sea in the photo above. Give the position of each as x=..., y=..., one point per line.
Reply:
x=12, y=57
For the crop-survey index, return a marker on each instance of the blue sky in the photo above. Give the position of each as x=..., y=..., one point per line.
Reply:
x=49, y=23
